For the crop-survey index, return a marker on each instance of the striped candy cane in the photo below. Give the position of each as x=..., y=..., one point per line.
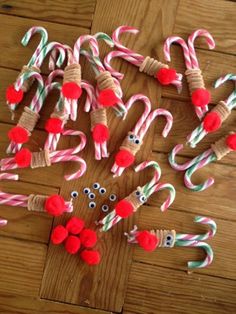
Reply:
x=25, y=158
x=133, y=141
x=130, y=204
x=199, y=95
x=147, y=65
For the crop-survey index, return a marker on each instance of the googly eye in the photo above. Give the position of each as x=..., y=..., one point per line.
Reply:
x=137, y=141
x=86, y=190
x=92, y=204
x=169, y=238
x=91, y=196
x=137, y=193
x=96, y=186
x=112, y=197
x=102, y=191
x=143, y=198
x=168, y=243
x=131, y=137
x=74, y=194
x=105, y=208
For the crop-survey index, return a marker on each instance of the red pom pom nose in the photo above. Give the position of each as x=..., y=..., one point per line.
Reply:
x=59, y=234
x=75, y=225
x=231, y=141
x=72, y=244
x=124, y=158
x=90, y=257
x=124, y=208
x=18, y=135
x=13, y=96
x=71, y=90
x=88, y=238
x=100, y=133
x=201, y=97
x=147, y=241
x=55, y=205
x=23, y=158
x=107, y=98
x=211, y=122
x=166, y=76
x=54, y=126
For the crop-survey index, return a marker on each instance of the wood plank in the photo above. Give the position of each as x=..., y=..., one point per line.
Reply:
x=104, y=286
x=161, y=290
x=23, y=224
x=217, y=19
x=185, y=121
x=15, y=304
x=21, y=266
x=78, y=13
x=222, y=243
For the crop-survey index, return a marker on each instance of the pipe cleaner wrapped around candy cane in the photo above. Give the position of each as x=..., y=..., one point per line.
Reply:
x=199, y=94
x=137, y=198
x=133, y=141
x=213, y=120
x=153, y=239
x=24, y=158
x=148, y=65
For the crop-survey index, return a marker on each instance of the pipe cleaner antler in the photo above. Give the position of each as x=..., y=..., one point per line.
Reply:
x=147, y=65
x=137, y=198
x=150, y=240
x=24, y=158
x=199, y=95
x=133, y=141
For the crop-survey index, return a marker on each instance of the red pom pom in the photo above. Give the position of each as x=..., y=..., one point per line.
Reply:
x=147, y=241
x=59, y=234
x=54, y=125
x=23, y=158
x=201, y=97
x=166, y=76
x=88, y=238
x=100, y=133
x=72, y=244
x=75, y=225
x=55, y=205
x=107, y=98
x=71, y=90
x=231, y=141
x=18, y=135
x=13, y=96
x=90, y=257
x=124, y=208
x=211, y=122
x=124, y=158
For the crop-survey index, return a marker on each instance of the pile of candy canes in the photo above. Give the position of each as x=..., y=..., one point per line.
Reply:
x=108, y=93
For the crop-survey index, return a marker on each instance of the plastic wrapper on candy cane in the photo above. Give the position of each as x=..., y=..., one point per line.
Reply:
x=137, y=198
x=24, y=158
x=199, y=94
x=155, y=239
x=133, y=141
x=147, y=65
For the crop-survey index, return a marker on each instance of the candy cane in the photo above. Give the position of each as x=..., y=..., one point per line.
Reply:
x=153, y=239
x=218, y=150
x=199, y=95
x=147, y=65
x=133, y=141
x=137, y=198
x=214, y=119
x=24, y=158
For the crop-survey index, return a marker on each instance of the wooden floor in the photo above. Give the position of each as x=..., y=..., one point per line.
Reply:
x=36, y=277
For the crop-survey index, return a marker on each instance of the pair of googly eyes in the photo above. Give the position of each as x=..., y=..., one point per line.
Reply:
x=169, y=240
x=97, y=186
x=133, y=138
x=140, y=196
x=101, y=191
x=104, y=208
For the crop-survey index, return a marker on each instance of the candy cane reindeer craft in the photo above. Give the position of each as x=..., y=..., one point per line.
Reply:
x=137, y=198
x=148, y=65
x=133, y=141
x=199, y=94
x=24, y=158
x=154, y=239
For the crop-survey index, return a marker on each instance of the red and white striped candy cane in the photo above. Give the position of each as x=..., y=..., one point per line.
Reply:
x=147, y=65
